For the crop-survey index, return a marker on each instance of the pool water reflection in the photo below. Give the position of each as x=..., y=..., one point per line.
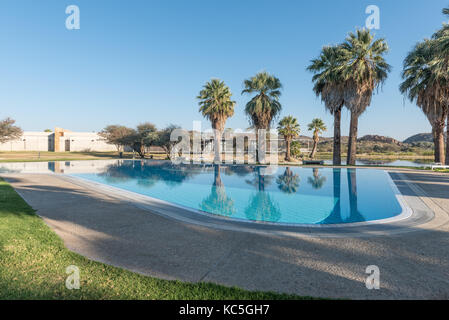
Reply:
x=292, y=195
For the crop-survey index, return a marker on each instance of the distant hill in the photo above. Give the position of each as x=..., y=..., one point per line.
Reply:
x=377, y=138
x=344, y=139
x=420, y=137
x=377, y=144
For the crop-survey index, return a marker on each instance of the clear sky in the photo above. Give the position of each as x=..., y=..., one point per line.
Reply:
x=134, y=61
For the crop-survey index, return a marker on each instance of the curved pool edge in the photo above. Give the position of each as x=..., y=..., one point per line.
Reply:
x=407, y=221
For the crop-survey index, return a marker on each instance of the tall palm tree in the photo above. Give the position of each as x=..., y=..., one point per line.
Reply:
x=423, y=85
x=440, y=69
x=263, y=108
x=364, y=70
x=289, y=128
x=217, y=106
x=329, y=85
x=317, y=126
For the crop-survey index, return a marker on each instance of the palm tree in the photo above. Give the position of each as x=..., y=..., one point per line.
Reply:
x=329, y=85
x=423, y=85
x=440, y=69
x=289, y=128
x=318, y=126
x=364, y=70
x=217, y=106
x=263, y=108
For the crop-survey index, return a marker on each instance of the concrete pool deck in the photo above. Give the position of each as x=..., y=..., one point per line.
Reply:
x=413, y=259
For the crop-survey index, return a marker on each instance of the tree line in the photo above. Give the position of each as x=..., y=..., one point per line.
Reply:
x=141, y=138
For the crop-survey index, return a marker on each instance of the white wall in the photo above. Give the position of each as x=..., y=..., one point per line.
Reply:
x=84, y=141
x=30, y=141
x=44, y=141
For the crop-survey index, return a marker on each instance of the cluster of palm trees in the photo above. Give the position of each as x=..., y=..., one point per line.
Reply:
x=426, y=82
x=217, y=106
x=346, y=75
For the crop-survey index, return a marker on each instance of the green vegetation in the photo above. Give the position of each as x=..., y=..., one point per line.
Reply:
x=296, y=149
x=381, y=146
x=33, y=261
x=116, y=134
x=289, y=128
x=8, y=131
x=35, y=156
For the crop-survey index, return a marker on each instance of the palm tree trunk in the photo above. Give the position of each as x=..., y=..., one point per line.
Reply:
x=447, y=140
x=257, y=145
x=352, y=186
x=261, y=146
x=217, y=145
x=337, y=138
x=439, y=139
x=287, y=154
x=142, y=150
x=315, y=145
x=352, y=144
x=435, y=143
x=312, y=154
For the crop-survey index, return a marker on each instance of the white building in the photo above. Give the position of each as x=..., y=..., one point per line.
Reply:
x=59, y=141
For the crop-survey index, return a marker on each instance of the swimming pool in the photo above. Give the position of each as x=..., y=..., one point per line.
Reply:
x=291, y=195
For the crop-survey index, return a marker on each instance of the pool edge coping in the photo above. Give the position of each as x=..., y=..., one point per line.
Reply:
x=181, y=214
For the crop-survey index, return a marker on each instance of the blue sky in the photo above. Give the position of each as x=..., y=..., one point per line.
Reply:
x=135, y=61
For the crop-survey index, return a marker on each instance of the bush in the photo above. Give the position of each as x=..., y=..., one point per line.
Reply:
x=295, y=149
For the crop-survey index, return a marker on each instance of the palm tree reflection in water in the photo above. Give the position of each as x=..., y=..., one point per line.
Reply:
x=217, y=201
x=355, y=214
x=261, y=207
x=288, y=182
x=336, y=214
x=317, y=181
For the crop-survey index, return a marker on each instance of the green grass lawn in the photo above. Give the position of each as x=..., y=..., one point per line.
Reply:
x=33, y=261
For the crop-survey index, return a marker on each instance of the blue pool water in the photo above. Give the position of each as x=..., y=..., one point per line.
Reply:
x=291, y=195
